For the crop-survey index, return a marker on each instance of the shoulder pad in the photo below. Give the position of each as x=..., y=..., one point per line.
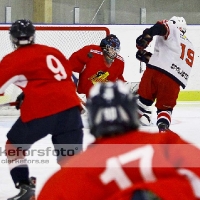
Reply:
x=120, y=58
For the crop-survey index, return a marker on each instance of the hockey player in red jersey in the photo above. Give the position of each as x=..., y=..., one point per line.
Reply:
x=50, y=104
x=125, y=163
x=96, y=63
x=167, y=69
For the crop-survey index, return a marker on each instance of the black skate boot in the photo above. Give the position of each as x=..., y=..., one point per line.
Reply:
x=163, y=127
x=27, y=191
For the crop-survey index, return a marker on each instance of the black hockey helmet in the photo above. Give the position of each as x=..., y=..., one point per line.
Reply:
x=112, y=109
x=110, y=45
x=22, y=32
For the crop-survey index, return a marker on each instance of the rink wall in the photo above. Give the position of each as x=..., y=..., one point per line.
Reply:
x=127, y=35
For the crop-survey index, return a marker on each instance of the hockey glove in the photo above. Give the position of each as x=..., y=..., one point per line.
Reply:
x=143, y=55
x=133, y=87
x=143, y=40
x=19, y=101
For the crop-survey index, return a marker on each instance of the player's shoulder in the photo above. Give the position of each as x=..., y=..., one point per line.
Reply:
x=120, y=58
x=92, y=46
x=43, y=47
x=40, y=46
x=96, y=49
x=83, y=159
x=20, y=51
x=168, y=137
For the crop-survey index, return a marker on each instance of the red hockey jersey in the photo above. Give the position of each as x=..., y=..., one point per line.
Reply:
x=44, y=75
x=113, y=168
x=89, y=62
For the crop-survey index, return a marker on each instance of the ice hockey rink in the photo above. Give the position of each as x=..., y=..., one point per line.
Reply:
x=185, y=122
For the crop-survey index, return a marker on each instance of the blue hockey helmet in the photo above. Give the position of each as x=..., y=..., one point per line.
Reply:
x=110, y=45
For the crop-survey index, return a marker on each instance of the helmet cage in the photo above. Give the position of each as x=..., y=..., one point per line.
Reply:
x=112, y=109
x=111, y=46
x=111, y=52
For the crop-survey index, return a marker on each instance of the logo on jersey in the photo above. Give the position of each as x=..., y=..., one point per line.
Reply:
x=183, y=37
x=96, y=51
x=100, y=76
x=179, y=71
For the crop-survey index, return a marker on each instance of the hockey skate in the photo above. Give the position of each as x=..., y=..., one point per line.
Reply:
x=163, y=127
x=27, y=191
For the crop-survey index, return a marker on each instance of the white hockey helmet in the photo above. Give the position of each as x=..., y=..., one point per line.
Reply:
x=180, y=22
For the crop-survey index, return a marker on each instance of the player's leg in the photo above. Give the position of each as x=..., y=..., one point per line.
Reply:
x=19, y=171
x=68, y=135
x=20, y=138
x=166, y=100
x=163, y=119
x=146, y=97
x=144, y=110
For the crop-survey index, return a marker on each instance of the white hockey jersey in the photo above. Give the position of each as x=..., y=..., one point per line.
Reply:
x=173, y=54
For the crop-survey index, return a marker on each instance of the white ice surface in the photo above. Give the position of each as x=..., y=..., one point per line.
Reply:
x=185, y=122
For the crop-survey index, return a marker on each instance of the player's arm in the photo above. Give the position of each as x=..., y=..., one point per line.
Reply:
x=143, y=55
x=120, y=76
x=143, y=40
x=158, y=29
x=120, y=69
x=79, y=59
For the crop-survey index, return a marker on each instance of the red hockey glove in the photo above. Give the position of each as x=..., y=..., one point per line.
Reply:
x=143, y=55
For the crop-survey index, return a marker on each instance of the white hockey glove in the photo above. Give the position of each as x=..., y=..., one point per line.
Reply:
x=133, y=87
x=82, y=98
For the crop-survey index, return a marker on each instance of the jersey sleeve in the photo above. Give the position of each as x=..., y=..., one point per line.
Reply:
x=121, y=77
x=120, y=65
x=79, y=58
x=160, y=28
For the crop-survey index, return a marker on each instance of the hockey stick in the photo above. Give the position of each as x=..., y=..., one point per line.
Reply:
x=84, y=108
x=9, y=104
x=83, y=105
x=141, y=67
